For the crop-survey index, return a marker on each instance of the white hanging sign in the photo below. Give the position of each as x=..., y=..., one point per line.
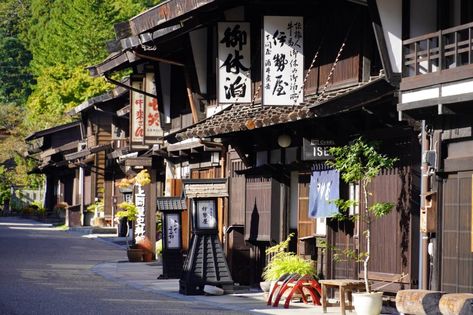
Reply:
x=137, y=113
x=153, y=128
x=283, y=60
x=234, y=62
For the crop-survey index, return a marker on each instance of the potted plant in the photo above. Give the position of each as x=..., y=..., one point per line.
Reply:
x=359, y=162
x=282, y=262
x=95, y=211
x=130, y=211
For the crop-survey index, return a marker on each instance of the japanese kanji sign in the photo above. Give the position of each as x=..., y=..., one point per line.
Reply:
x=234, y=54
x=173, y=231
x=283, y=60
x=137, y=110
x=206, y=214
x=152, y=120
x=140, y=226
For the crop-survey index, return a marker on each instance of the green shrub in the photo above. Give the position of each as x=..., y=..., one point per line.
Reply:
x=284, y=262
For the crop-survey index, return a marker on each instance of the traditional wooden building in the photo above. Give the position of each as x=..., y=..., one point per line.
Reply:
x=223, y=115
x=52, y=146
x=431, y=54
x=104, y=131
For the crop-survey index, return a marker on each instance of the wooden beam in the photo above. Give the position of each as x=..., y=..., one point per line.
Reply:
x=159, y=59
x=195, y=115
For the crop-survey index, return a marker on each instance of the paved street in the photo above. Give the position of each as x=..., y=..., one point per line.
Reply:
x=47, y=271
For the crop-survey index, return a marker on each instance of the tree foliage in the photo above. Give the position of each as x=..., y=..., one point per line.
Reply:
x=45, y=46
x=360, y=162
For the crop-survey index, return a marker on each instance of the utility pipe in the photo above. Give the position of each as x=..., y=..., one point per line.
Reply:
x=424, y=188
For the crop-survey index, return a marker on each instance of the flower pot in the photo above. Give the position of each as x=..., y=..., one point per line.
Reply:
x=368, y=303
x=147, y=256
x=134, y=254
x=265, y=285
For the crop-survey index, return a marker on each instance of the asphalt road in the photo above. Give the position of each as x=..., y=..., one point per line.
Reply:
x=48, y=271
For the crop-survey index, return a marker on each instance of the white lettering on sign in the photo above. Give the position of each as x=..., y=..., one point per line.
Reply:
x=140, y=226
x=283, y=60
x=234, y=55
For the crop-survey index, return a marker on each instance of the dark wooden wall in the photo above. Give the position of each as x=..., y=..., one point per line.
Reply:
x=456, y=249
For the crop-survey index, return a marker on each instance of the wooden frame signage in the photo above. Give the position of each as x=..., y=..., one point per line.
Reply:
x=234, y=62
x=173, y=230
x=283, y=60
x=145, y=120
x=137, y=112
x=153, y=128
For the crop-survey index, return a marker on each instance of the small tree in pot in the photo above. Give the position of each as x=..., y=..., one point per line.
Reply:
x=359, y=162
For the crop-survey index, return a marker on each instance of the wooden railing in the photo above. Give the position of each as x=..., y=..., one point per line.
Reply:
x=445, y=49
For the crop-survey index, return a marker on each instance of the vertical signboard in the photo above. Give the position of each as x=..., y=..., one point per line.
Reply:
x=153, y=128
x=137, y=112
x=283, y=60
x=140, y=227
x=173, y=231
x=234, y=55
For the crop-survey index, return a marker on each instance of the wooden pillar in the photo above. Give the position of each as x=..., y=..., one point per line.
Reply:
x=150, y=214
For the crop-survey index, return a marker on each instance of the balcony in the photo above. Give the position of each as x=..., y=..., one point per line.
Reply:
x=439, y=57
x=437, y=73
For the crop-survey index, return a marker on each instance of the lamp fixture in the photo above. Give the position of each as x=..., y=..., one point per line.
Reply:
x=284, y=140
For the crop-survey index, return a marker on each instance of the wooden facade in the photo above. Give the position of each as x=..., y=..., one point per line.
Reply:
x=436, y=69
x=345, y=95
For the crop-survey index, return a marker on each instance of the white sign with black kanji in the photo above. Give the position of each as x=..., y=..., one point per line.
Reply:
x=283, y=60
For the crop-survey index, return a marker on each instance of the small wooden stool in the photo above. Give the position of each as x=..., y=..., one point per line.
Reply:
x=345, y=286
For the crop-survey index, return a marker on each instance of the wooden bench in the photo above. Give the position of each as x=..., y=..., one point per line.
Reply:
x=345, y=287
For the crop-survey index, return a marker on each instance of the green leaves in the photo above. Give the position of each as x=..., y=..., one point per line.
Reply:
x=380, y=209
x=358, y=161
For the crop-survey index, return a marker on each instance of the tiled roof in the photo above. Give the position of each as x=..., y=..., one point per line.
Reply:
x=242, y=117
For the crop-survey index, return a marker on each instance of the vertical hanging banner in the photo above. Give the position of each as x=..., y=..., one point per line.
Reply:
x=153, y=128
x=234, y=55
x=137, y=112
x=283, y=60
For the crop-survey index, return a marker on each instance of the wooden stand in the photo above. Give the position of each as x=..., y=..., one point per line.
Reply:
x=345, y=286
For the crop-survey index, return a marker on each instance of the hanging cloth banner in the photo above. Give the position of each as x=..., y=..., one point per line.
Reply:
x=324, y=187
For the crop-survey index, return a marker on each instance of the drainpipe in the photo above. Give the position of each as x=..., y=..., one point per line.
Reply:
x=424, y=237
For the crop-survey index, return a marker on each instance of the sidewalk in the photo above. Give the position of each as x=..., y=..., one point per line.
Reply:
x=143, y=276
